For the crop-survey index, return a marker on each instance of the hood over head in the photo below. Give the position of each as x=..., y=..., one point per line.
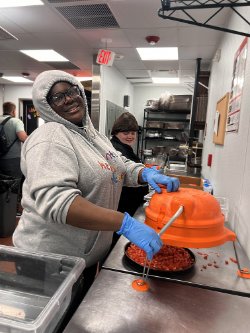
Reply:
x=41, y=88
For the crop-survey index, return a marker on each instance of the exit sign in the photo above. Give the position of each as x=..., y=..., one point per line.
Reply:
x=105, y=57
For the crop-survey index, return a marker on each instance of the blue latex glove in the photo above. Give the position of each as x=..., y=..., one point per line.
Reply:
x=153, y=177
x=141, y=235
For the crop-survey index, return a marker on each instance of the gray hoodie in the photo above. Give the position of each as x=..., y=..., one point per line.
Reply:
x=61, y=161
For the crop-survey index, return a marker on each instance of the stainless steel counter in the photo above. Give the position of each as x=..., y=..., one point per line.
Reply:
x=113, y=306
x=224, y=278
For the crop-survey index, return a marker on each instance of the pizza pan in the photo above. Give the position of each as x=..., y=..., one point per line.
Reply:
x=139, y=268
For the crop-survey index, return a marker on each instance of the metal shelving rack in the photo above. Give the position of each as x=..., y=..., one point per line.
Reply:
x=167, y=136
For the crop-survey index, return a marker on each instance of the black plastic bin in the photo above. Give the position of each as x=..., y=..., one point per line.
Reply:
x=9, y=189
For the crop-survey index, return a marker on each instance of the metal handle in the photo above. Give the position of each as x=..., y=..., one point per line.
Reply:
x=241, y=270
x=172, y=219
x=166, y=226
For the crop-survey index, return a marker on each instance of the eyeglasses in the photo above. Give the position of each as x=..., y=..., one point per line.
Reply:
x=59, y=98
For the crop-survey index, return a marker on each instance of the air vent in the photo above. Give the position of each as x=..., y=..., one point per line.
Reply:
x=89, y=16
x=61, y=65
x=6, y=35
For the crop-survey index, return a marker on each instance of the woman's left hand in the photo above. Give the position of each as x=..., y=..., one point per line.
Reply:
x=153, y=177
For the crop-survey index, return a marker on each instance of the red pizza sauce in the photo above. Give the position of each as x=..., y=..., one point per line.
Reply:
x=169, y=258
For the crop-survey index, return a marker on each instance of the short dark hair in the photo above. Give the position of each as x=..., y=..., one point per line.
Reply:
x=8, y=107
x=125, y=123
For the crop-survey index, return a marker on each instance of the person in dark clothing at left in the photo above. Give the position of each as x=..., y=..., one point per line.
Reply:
x=124, y=135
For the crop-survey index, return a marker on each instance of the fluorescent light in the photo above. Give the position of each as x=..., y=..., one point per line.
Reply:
x=20, y=3
x=165, y=80
x=83, y=78
x=158, y=53
x=18, y=79
x=44, y=55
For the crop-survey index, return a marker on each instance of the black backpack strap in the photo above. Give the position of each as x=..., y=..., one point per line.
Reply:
x=11, y=145
x=5, y=121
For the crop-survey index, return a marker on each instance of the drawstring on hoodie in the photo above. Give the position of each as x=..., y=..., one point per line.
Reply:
x=89, y=134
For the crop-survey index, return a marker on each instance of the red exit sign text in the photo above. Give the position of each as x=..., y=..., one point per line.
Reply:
x=105, y=57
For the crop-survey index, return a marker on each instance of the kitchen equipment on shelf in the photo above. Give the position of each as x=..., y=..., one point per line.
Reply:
x=154, y=124
x=153, y=104
x=180, y=103
x=201, y=224
x=156, y=160
x=168, y=124
x=150, y=161
x=184, y=150
x=160, y=160
x=197, y=148
x=159, y=150
x=164, y=100
x=173, y=125
x=168, y=137
x=182, y=136
x=147, y=152
x=153, y=134
x=173, y=151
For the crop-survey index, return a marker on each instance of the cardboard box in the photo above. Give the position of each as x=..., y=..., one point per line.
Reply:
x=189, y=182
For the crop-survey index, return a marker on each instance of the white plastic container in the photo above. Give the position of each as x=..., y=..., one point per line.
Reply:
x=224, y=205
x=35, y=289
x=207, y=186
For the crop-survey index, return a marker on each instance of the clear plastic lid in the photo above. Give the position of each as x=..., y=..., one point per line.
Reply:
x=33, y=286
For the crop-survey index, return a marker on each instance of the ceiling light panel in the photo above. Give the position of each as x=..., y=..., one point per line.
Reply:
x=164, y=80
x=158, y=53
x=20, y=3
x=44, y=55
x=83, y=78
x=17, y=79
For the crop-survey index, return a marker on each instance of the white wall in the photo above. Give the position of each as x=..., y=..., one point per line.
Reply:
x=143, y=93
x=15, y=93
x=113, y=88
x=230, y=170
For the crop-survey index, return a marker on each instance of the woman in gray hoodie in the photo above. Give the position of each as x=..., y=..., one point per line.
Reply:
x=74, y=178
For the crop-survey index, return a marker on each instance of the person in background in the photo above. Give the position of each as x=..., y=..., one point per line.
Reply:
x=10, y=161
x=124, y=135
x=73, y=182
x=14, y=129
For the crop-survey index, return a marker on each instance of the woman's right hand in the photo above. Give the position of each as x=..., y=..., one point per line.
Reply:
x=141, y=235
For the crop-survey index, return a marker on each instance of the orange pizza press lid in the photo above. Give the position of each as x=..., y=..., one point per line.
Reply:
x=201, y=224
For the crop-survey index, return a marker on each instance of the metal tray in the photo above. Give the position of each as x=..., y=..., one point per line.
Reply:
x=139, y=268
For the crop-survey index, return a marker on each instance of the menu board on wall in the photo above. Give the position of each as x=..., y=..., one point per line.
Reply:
x=233, y=117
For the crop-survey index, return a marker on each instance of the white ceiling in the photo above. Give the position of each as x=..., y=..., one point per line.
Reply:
x=57, y=25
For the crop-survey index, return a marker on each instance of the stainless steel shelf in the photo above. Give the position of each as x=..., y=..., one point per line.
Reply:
x=167, y=111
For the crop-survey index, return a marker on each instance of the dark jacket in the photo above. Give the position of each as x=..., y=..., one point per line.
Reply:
x=131, y=197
